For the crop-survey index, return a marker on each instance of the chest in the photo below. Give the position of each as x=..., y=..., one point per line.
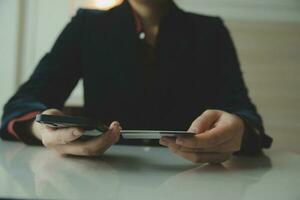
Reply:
x=114, y=74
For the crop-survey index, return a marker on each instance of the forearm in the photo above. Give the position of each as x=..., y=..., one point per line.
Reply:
x=17, y=113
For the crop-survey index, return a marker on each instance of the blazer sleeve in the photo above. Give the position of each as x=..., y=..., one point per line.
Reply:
x=53, y=79
x=234, y=96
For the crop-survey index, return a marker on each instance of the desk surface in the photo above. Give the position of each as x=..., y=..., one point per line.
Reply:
x=129, y=172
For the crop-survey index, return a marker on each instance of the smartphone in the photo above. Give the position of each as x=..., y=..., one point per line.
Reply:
x=94, y=128
x=58, y=121
x=153, y=134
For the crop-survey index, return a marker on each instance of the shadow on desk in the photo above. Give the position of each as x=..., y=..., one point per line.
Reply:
x=240, y=163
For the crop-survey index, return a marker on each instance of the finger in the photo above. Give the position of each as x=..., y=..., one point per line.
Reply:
x=227, y=147
x=108, y=138
x=202, y=157
x=60, y=136
x=223, y=148
x=95, y=146
x=166, y=140
x=205, y=121
x=52, y=111
x=211, y=138
x=172, y=144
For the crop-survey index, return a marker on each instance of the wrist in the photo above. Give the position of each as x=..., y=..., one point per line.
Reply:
x=33, y=128
x=249, y=138
x=242, y=124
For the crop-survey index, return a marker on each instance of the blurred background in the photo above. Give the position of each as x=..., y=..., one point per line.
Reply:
x=266, y=34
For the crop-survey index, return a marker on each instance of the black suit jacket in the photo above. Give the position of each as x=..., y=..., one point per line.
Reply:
x=197, y=69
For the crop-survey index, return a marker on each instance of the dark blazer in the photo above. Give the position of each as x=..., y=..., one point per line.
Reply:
x=196, y=69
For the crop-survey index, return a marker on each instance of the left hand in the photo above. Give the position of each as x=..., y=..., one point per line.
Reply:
x=217, y=135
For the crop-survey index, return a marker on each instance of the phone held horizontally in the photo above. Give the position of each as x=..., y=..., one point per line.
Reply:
x=94, y=128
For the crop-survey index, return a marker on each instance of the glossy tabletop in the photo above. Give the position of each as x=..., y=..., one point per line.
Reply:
x=131, y=172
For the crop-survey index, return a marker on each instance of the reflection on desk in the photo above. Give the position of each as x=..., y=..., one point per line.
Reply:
x=130, y=172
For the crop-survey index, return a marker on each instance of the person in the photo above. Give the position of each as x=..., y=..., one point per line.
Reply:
x=148, y=65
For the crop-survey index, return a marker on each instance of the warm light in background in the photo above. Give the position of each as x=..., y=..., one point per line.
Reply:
x=102, y=4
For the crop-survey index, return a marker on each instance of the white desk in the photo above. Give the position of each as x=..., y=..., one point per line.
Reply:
x=128, y=172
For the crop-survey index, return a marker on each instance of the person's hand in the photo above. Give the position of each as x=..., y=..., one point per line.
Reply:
x=217, y=135
x=64, y=140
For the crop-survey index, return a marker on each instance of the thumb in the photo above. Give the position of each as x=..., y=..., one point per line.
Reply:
x=53, y=111
x=205, y=121
x=112, y=135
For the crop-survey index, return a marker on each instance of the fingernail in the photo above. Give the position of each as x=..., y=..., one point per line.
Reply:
x=116, y=124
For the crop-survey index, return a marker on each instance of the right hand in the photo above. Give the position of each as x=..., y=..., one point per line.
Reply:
x=64, y=140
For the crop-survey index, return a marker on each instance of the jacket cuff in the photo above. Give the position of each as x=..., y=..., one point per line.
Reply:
x=251, y=140
x=11, y=125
